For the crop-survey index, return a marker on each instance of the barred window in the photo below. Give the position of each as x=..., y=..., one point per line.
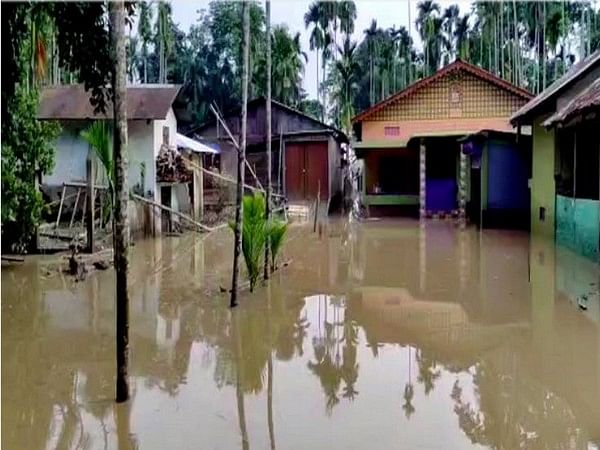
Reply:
x=391, y=131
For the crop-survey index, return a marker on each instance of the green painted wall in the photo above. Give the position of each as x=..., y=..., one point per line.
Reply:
x=542, y=183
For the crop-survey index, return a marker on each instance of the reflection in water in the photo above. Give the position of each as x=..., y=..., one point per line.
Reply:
x=374, y=334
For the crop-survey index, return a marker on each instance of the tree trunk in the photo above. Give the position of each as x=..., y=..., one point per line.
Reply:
x=543, y=43
x=517, y=47
x=237, y=249
x=269, y=132
x=502, y=39
x=121, y=221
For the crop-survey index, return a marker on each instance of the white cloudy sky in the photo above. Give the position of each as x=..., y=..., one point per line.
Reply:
x=291, y=12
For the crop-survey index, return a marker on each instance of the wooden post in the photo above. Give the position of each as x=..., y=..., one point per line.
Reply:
x=75, y=207
x=269, y=132
x=198, y=189
x=422, y=180
x=91, y=205
x=317, y=205
x=62, y=200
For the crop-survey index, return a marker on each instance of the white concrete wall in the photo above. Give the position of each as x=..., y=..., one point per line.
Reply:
x=71, y=154
x=141, y=150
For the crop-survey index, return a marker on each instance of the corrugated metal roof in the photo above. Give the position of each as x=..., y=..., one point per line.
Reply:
x=72, y=102
x=577, y=71
x=585, y=102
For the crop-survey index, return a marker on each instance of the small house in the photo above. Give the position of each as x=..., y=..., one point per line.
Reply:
x=565, y=184
x=157, y=168
x=307, y=154
x=444, y=146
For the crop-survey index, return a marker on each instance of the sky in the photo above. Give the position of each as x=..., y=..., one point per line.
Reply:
x=387, y=13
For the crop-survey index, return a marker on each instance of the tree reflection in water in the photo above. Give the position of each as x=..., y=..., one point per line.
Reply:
x=335, y=352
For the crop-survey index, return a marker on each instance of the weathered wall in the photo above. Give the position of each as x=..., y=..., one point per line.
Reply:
x=542, y=182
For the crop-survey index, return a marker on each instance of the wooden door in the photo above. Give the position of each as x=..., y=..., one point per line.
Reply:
x=306, y=164
x=294, y=171
x=317, y=170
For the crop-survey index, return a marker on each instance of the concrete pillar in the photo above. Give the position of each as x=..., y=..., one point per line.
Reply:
x=462, y=188
x=422, y=180
x=198, y=188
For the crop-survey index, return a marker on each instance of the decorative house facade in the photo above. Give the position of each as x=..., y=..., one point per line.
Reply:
x=307, y=154
x=412, y=142
x=565, y=184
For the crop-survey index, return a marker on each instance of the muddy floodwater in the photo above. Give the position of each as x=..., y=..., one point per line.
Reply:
x=375, y=335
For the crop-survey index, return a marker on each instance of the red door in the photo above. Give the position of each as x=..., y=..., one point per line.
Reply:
x=317, y=170
x=306, y=169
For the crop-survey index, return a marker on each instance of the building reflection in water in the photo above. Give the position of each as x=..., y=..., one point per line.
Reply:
x=387, y=323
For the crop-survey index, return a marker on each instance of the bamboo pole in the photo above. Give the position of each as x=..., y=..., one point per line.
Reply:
x=269, y=187
x=236, y=145
x=172, y=211
x=237, y=246
x=75, y=208
x=62, y=200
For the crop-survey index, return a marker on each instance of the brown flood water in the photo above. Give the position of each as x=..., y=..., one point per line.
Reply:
x=379, y=335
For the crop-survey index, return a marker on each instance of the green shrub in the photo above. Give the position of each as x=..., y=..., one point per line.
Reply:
x=277, y=229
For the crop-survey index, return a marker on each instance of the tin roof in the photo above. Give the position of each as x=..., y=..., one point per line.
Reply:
x=455, y=66
x=72, y=102
x=586, y=102
x=576, y=72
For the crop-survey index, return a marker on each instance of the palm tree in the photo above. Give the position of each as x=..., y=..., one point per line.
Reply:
x=428, y=25
x=317, y=35
x=347, y=14
x=450, y=18
x=370, y=34
x=288, y=66
x=345, y=77
x=461, y=37
x=164, y=36
x=145, y=34
x=121, y=199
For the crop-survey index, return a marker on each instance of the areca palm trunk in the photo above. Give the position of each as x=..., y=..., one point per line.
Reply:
x=268, y=202
x=121, y=199
x=237, y=246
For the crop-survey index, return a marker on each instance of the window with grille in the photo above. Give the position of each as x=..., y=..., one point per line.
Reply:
x=391, y=131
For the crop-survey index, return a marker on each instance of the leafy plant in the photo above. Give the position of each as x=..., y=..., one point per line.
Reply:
x=254, y=234
x=26, y=153
x=99, y=136
x=276, y=231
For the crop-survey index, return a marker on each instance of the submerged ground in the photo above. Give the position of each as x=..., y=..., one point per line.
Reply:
x=377, y=335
